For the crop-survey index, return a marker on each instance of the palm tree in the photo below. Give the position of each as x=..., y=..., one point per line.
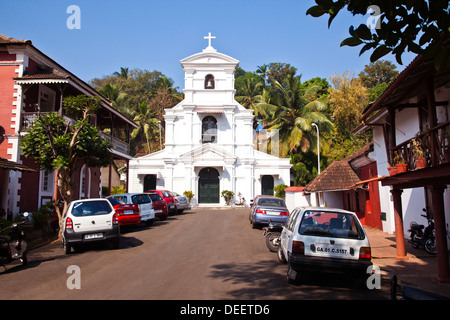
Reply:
x=124, y=74
x=146, y=122
x=263, y=71
x=291, y=113
x=248, y=95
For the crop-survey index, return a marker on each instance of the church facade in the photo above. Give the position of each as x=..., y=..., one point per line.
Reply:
x=209, y=140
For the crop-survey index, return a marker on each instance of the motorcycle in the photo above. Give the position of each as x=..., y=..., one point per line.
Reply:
x=13, y=246
x=420, y=237
x=273, y=233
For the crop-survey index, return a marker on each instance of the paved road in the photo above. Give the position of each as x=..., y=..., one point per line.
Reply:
x=201, y=254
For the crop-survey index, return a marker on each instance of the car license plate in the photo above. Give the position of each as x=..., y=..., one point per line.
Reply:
x=331, y=250
x=93, y=236
x=274, y=213
x=128, y=212
x=158, y=211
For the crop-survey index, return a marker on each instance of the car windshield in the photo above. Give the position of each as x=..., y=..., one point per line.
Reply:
x=155, y=197
x=166, y=194
x=115, y=202
x=271, y=202
x=90, y=208
x=141, y=198
x=331, y=224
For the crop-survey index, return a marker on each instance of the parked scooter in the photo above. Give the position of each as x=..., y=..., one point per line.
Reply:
x=273, y=233
x=13, y=245
x=420, y=237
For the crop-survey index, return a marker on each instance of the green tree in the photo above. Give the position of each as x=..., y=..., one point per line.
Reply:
x=57, y=145
x=289, y=110
x=347, y=99
x=376, y=77
x=146, y=121
x=420, y=26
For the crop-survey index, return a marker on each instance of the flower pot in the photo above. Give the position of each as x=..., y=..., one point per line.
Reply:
x=401, y=167
x=420, y=162
x=392, y=170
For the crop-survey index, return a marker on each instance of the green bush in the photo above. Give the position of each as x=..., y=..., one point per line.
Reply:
x=228, y=196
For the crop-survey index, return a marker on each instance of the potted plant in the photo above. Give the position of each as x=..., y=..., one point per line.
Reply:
x=392, y=170
x=400, y=162
x=228, y=196
x=419, y=157
x=189, y=195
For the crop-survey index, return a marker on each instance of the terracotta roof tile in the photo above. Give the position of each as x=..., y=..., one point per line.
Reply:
x=10, y=40
x=337, y=176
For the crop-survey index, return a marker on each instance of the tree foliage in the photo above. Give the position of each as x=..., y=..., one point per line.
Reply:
x=57, y=144
x=419, y=26
x=132, y=91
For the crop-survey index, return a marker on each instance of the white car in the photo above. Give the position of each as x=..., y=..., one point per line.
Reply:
x=324, y=239
x=144, y=203
x=90, y=220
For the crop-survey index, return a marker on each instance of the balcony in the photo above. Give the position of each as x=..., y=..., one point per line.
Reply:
x=435, y=144
x=28, y=118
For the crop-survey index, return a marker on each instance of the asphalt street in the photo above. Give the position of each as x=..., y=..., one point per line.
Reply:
x=202, y=254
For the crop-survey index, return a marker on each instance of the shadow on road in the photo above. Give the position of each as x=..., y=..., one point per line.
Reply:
x=267, y=280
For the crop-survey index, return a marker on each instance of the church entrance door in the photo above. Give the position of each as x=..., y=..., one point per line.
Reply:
x=149, y=182
x=267, y=185
x=208, y=186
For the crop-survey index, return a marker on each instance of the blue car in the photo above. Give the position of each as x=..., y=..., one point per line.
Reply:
x=265, y=208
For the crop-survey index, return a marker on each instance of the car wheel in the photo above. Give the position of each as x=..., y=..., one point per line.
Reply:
x=292, y=275
x=116, y=243
x=163, y=217
x=280, y=255
x=67, y=247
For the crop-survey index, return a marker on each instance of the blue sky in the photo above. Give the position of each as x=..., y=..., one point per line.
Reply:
x=156, y=35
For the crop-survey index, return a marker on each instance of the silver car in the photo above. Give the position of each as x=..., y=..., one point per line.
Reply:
x=267, y=208
x=144, y=203
x=181, y=202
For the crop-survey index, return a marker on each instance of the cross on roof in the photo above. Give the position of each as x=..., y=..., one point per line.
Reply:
x=209, y=37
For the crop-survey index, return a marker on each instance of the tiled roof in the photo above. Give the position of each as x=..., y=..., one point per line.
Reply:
x=50, y=74
x=6, y=164
x=337, y=176
x=9, y=40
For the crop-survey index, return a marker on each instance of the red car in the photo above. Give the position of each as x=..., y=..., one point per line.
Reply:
x=159, y=205
x=128, y=214
x=169, y=198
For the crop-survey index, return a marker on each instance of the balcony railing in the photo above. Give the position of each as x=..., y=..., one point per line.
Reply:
x=118, y=145
x=435, y=144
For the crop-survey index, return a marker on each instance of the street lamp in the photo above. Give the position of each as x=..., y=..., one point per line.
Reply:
x=318, y=148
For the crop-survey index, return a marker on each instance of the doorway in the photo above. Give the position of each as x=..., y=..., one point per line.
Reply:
x=267, y=184
x=149, y=182
x=208, y=186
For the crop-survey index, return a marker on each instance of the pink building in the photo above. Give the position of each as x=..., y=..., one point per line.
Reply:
x=31, y=81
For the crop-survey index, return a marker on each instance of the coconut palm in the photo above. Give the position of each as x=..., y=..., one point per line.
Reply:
x=146, y=122
x=290, y=112
x=248, y=95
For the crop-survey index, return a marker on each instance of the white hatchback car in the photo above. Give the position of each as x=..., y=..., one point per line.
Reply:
x=144, y=203
x=90, y=220
x=324, y=239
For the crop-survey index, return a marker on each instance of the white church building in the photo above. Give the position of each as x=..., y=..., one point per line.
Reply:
x=209, y=140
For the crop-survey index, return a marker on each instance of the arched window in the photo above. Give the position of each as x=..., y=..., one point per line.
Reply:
x=209, y=130
x=209, y=82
